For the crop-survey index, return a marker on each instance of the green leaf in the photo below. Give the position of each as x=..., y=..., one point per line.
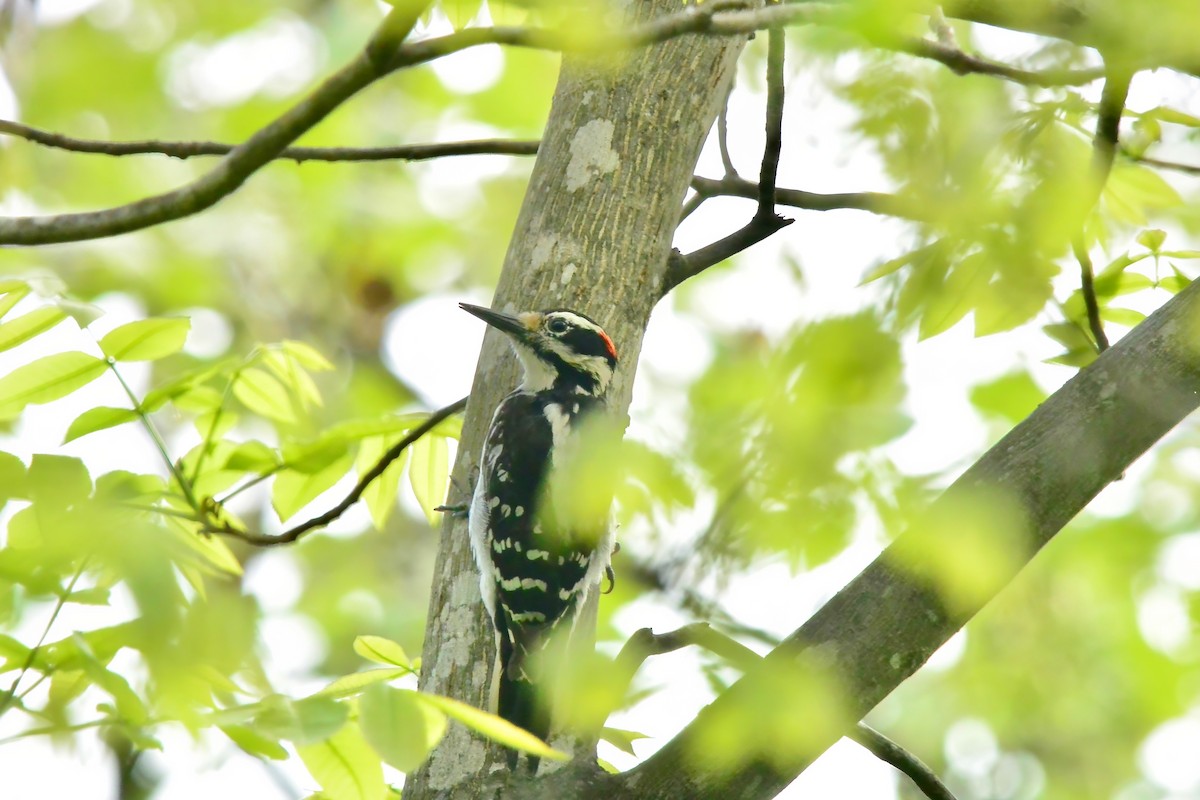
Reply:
x=13, y=292
x=27, y=326
x=146, y=339
x=263, y=394
x=355, y=682
x=1122, y=316
x=493, y=727
x=255, y=743
x=461, y=12
x=1012, y=397
x=621, y=739
x=301, y=721
x=308, y=356
x=293, y=490
x=1152, y=239
x=428, y=471
x=345, y=766
x=380, y=495
x=98, y=419
x=381, y=651
x=399, y=726
x=46, y=379
x=12, y=477
x=252, y=456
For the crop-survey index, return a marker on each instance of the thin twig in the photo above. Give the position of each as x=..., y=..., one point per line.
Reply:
x=7, y=701
x=1190, y=169
x=381, y=57
x=765, y=221
x=185, y=486
x=694, y=202
x=192, y=149
x=874, y=202
x=885, y=749
x=294, y=533
x=962, y=64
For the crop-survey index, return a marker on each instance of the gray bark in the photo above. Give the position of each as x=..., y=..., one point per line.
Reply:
x=594, y=235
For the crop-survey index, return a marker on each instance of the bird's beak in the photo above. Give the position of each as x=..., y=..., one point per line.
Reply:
x=510, y=324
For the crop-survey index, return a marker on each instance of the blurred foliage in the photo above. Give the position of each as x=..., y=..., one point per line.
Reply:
x=785, y=448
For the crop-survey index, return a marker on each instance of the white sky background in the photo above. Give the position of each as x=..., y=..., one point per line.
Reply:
x=834, y=250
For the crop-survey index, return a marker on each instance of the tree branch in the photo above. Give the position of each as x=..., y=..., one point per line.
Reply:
x=765, y=221
x=379, y=58
x=1104, y=150
x=645, y=643
x=963, y=64
x=320, y=521
x=889, y=619
x=874, y=202
x=185, y=149
x=885, y=749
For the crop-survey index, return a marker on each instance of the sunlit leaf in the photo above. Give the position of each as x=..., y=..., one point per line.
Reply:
x=293, y=490
x=1152, y=239
x=621, y=739
x=493, y=727
x=401, y=728
x=301, y=721
x=46, y=379
x=380, y=495
x=355, y=682
x=345, y=766
x=428, y=471
x=98, y=419
x=146, y=339
x=307, y=355
x=1011, y=397
x=255, y=743
x=263, y=394
x=381, y=651
x=25, y=327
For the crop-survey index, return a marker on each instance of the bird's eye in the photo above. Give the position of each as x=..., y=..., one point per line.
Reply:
x=557, y=325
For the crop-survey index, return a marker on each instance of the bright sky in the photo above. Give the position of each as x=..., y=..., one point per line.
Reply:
x=834, y=249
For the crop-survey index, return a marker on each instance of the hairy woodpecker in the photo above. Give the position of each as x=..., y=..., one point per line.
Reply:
x=536, y=570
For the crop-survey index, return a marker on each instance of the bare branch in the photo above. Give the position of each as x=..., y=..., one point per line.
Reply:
x=320, y=521
x=1087, y=286
x=885, y=749
x=765, y=221
x=723, y=136
x=645, y=643
x=1104, y=150
x=963, y=64
x=185, y=149
x=1190, y=169
x=379, y=58
x=874, y=202
x=769, y=170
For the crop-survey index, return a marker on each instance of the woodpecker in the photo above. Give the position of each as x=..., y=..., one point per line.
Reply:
x=535, y=570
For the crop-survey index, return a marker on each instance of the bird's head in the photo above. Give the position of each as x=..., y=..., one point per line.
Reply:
x=557, y=348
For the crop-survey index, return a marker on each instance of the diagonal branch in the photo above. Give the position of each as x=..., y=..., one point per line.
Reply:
x=888, y=620
x=185, y=149
x=645, y=643
x=320, y=521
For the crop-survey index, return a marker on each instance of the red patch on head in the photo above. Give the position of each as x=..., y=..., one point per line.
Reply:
x=608, y=344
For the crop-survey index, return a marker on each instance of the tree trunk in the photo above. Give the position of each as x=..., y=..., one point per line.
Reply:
x=594, y=234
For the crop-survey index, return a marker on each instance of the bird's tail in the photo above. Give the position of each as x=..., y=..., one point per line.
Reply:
x=522, y=699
